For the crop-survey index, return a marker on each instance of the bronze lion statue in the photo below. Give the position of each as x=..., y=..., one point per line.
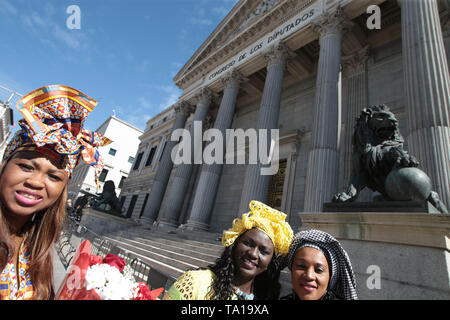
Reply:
x=377, y=153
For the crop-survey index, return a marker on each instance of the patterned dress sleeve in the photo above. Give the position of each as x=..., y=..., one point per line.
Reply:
x=192, y=285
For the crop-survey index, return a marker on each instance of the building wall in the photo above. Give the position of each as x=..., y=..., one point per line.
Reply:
x=125, y=140
x=140, y=179
x=383, y=84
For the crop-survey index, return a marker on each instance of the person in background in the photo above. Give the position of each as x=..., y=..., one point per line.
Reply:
x=79, y=205
x=248, y=267
x=37, y=165
x=69, y=207
x=320, y=268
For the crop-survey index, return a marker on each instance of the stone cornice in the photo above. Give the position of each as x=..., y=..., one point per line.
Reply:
x=221, y=31
x=388, y=227
x=282, y=12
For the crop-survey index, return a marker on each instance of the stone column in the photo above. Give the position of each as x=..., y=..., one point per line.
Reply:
x=322, y=173
x=176, y=194
x=210, y=174
x=164, y=168
x=427, y=87
x=354, y=99
x=256, y=185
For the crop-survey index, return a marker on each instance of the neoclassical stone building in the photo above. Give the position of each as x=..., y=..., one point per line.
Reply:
x=307, y=68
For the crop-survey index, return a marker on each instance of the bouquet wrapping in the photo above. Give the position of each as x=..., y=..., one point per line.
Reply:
x=91, y=277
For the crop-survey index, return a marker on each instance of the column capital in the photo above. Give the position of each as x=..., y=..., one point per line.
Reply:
x=232, y=79
x=204, y=95
x=354, y=64
x=332, y=22
x=277, y=55
x=183, y=108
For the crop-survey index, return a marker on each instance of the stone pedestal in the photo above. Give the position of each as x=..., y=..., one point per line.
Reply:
x=103, y=223
x=393, y=255
x=381, y=206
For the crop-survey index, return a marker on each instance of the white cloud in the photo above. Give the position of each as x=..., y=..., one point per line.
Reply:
x=66, y=36
x=201, y=21
x=144, y=103
x=143, y=65
x=7, y=7
x=173, y=93
x=220, y=11
x=49, y=31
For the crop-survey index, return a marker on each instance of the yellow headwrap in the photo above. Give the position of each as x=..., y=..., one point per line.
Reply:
x=267, y=219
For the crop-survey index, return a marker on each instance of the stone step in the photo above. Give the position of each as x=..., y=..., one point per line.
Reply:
x=175, y=254
x=161, y=261
x=143, y=233
x=179, y=247
x=188, y=244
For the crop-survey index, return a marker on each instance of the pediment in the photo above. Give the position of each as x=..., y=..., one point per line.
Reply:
x=244, y=14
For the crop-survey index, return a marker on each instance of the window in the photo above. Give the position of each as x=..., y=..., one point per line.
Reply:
x=122, y=180
x=162, y=152
x=112, y=151
x=130, y=159
x=143, y=205
x=138, y=161
x=151, y=154
x=103, y=175
x=131, y=206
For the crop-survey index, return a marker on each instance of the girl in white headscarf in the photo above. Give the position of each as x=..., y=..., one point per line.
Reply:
x=320, y=268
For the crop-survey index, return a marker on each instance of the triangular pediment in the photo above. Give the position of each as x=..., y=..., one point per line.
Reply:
x=243, y=14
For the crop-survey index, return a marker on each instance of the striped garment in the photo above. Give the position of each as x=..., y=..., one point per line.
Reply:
x=17, y=285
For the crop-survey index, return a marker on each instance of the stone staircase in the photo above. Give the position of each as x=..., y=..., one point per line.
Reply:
x=173, y=253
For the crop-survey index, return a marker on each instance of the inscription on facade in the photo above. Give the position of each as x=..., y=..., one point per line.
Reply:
x=291, y=26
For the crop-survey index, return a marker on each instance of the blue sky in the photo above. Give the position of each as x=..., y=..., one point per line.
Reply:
x=125, y=55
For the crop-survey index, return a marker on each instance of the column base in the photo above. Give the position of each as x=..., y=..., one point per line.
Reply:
x=167, y=224
x=196, y=226
x=146, y=222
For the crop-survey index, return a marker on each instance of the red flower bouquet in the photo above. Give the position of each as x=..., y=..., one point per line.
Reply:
x=92, y=277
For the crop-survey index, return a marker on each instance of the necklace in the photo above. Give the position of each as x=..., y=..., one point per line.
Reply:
x=243, y=295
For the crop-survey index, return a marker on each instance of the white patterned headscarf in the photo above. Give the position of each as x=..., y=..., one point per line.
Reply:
x=342, y=280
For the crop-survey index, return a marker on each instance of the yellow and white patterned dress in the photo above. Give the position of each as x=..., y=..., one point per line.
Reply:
x=193, y=285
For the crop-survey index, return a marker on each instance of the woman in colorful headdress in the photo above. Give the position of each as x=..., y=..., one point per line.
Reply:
x=248, y=266
x=37, y=165
x=320, y=268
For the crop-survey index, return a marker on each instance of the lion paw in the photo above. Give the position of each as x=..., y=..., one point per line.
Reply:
x=342, y=197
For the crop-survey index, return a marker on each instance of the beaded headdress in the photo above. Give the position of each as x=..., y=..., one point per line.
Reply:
x=52, y=124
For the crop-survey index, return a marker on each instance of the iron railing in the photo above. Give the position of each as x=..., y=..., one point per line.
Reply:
x=142, y=271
